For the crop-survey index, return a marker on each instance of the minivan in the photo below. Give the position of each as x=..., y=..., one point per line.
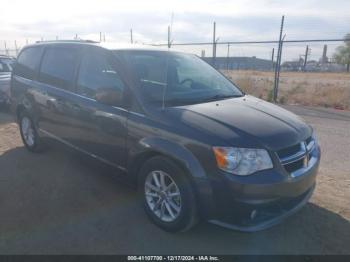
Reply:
x=195, y=145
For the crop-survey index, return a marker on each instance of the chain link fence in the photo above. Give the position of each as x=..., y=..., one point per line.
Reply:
x=302, y=72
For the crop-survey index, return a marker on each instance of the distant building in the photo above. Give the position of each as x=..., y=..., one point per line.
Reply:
x=293, y=65
x=312, y=66
x=240, y=63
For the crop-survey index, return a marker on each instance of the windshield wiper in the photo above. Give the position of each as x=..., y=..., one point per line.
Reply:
x=221, y=97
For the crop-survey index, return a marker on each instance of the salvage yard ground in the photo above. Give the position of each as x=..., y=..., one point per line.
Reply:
x=60, y=203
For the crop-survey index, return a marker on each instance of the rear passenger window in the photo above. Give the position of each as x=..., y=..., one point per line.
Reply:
x=28, y=62
x=58, y=66
x=96, y=72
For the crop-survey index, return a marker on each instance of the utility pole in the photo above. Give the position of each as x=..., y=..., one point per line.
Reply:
x=273, y=58
x=131, y=38
x=214, y=44
x=305, y=60
x=278, y=63
x=100, y=36
x=169, y=42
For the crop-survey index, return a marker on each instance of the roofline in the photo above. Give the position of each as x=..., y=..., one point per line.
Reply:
x=67, y=41
x=112, y=46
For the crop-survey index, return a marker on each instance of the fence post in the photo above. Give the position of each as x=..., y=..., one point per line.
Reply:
x=306, y=55
x=214, y=44
x=6, y=51
x=228, y=56
x=169, y=44
x=278, y=63
x=273, y=58
x=16, y=48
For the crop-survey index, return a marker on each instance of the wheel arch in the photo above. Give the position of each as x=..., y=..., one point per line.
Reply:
x=151, y=147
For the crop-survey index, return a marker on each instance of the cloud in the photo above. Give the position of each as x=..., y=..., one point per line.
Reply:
x=236, y=20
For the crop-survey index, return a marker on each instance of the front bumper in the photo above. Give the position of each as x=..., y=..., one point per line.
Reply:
x=267, y=216
x=255, y=203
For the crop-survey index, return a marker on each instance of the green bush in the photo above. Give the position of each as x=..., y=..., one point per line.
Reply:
x=270, y=95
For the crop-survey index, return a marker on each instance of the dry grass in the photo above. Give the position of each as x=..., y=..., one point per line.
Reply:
x=314, y=89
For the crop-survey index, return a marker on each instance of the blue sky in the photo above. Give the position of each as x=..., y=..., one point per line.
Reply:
x=237, y=20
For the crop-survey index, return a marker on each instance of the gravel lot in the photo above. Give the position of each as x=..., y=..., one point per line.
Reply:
x=60, y=203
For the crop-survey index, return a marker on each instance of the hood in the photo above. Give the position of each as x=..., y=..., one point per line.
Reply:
x=246, y=122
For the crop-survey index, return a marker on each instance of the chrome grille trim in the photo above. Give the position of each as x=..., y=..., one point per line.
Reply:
x=295, y=157
x=304, y=152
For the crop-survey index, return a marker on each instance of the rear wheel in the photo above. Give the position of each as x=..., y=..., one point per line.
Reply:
x=167, y=194
x=29, y=133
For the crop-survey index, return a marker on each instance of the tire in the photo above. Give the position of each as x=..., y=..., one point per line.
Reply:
x=29, y=134
x=179, y=193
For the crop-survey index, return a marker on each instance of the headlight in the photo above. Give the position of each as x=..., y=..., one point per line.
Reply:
x=242, y=161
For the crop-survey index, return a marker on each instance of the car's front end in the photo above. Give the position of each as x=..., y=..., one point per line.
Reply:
x=259, y=200
x=260, y=159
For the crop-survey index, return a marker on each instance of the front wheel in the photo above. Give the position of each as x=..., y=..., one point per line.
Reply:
x=168, y=196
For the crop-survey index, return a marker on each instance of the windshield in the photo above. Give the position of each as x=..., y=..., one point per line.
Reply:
x=177, y=78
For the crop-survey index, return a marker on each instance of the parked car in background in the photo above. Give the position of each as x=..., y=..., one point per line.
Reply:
x=6, y=63
x=196, y=146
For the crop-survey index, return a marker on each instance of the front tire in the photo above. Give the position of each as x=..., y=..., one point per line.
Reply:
x=29, y=134
x=167, y=194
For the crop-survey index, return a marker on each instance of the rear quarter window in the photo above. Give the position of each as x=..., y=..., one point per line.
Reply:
x=59, y=66
x=28, y=62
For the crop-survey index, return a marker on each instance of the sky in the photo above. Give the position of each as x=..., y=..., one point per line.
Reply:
x=237, y=20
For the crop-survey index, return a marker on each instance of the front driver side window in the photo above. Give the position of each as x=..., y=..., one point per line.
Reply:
x=95, y=73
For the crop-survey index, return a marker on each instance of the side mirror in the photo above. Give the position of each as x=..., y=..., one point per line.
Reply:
x=109, y=96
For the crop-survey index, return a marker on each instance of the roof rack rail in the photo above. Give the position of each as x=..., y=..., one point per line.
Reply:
x=66, y=41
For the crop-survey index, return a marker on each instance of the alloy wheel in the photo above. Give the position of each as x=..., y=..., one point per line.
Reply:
x=163, y=196
x=27, y=131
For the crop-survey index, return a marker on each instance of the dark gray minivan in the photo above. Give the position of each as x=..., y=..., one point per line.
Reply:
x=196, y=146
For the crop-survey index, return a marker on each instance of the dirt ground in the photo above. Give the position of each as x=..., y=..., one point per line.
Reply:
x=59, y=203
x=310, y=89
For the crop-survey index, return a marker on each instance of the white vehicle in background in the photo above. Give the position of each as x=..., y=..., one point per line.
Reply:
x=6, y=63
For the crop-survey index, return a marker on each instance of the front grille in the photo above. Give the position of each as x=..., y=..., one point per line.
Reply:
x=288, y=151
x=293, y=158
x=294, y=166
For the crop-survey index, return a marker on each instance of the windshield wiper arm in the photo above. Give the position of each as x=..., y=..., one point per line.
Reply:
x=219, y=97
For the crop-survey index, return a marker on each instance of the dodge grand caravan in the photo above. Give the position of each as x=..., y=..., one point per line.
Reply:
x=195, y=145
